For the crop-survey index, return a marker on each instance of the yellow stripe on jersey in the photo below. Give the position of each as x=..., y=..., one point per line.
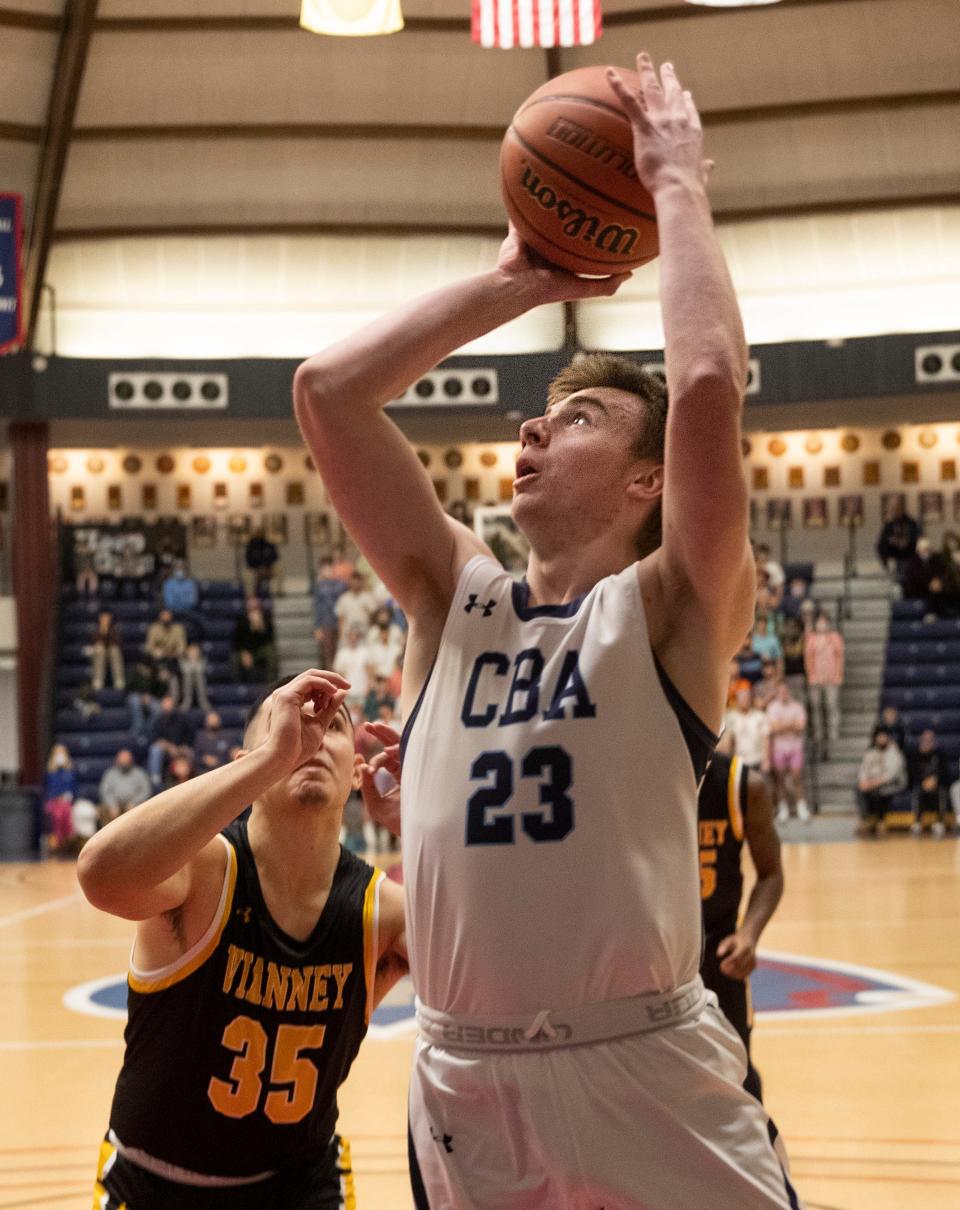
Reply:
x=733, y=796
x=105, y=1161
x=371, y=924
x=749, y=1003
x=156, y=981
x=348, y=1194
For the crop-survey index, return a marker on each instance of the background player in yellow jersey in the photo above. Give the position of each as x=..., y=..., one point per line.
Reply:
x=734, y=805
x=260, y=952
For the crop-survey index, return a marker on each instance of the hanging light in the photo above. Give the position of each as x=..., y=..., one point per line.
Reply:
x=351, y=18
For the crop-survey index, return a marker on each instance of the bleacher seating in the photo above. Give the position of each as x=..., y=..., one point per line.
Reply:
x=93, y=740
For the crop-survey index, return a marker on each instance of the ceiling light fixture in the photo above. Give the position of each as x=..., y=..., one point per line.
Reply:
x=351, y=18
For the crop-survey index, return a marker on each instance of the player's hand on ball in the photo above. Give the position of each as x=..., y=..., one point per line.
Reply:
x=546, y=283
x=380, y=785
x=300, y=713
x=667, y=134
x=739, y=955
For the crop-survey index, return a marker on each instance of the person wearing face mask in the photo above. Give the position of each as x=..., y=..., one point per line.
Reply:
x=59, y=791
x=883, y=773
x=122, y=786
x=823, y=656
x=181, y=596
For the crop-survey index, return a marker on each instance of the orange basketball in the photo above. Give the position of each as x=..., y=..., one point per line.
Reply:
x=568, y=180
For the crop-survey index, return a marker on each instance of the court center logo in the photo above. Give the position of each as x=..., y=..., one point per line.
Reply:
x=784, y=987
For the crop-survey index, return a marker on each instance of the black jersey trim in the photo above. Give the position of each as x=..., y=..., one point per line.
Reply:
x=701, y=741
x=520, y=595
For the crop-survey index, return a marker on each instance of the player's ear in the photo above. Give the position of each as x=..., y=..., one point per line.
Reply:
x=356, y=780
x=647, y=482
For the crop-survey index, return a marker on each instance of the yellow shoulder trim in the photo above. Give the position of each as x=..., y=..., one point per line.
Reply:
x=371, y=940
x=733, y=796
x=166, y=976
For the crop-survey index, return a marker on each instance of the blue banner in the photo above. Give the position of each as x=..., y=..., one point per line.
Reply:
x=11, y=302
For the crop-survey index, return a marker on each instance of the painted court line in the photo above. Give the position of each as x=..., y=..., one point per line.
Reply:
x=62, y=1044
x=50, y=906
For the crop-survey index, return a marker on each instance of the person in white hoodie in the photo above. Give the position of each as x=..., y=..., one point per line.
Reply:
x=883, y=773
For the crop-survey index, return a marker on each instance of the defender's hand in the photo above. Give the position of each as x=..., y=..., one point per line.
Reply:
x=544, y=282
x=382, y=799
x=739, y=955
x=667, y=134
x=300, y=713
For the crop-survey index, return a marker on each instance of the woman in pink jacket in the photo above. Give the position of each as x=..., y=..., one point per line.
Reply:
x=823, y=663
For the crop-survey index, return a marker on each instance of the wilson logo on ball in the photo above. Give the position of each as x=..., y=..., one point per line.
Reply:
x=576, y=223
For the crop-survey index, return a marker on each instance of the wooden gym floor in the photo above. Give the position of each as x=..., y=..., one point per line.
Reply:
x=869, y=1104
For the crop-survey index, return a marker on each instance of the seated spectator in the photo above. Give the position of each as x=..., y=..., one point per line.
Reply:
x=166, y=643
x=823, y=656
x=922, y=566
x=808, y=614
x=253, y=646
x=750, y=729
x=179, y=771
x=891, y=722
x=211, y=747
x=122, y=786
x=85, y=701
x=85, y=573
x=765, y=690
x=262, y=571
x=193, y=678
x=107, y=651
x=942, y=599
x=378, y=695
x=883, y=773
x=767, y=645
x=774, y=570
x=351, y=662
x=736, y=685
x=356, y=606
x=788, y=726
x=928, y=777
x=146, y=685
x=384, y=643
x=749, y=663
x=327, y=590
x=897, y=541
x=181, y=596
x=793, y=640
x=59, y=791
x=767, y=599
x=170, y=735
x=797, y=592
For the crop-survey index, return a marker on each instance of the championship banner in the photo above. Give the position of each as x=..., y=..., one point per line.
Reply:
x=11, y=303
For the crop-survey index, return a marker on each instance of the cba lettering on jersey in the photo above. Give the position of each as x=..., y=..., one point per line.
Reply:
x=521, y=702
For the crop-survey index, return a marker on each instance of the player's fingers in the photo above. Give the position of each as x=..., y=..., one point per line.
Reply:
x=725, y=946
x=649, y=80
x=601, y=287
x=324, y=714
x=384, y=733
x=693, y=114
x=631, y=101
x=669, y=82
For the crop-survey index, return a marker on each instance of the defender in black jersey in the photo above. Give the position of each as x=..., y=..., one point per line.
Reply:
x=260, y=952
x=734, y=804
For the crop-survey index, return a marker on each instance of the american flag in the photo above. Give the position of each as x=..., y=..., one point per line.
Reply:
x=524, y=23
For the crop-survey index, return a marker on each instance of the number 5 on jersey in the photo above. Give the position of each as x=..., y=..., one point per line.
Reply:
x=239, y=1096
x=553, y=769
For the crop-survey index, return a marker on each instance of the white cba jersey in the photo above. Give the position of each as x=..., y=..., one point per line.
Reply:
x=549, y=805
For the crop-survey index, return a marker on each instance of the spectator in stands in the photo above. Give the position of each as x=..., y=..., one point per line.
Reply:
x=129, y=569
x=808, y=614
x=793, y=640
x=898, y=540
x=352, y=663
x=928, y=779
x=919, y=569
x=750, y=729
x=85, y=701
x=262, y=571
x=768, y=598
x=891, y=722
x=823, y=657
x=765, y=690
x=181, y=595
x=384, y=643
x=122, y=786
x=179, y=770
x=395, y=679
x=378, y=695
x=327, y=590
x=736, y=685
x=85, y=573
x=59, y=791
x=170, y=735
x=211, y=747
x=253, y=645
x=193, y=678
x=943, y=595
x=146, y=687
x=749, y=663
x=356, y=606
x=166, y=644
x=767, y=645
x=798, y=591
x=883, y=774
x=788, y=725
x=775, y=573
x=107, y=651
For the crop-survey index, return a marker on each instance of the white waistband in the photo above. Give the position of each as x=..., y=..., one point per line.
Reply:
x=551, y=1028
x=182, y=1176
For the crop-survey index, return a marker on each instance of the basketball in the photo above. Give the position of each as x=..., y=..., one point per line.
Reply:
x=568, y=178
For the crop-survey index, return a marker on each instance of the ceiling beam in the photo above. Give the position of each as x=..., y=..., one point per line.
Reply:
x=13, y=18
x=20, y=132
x=372, y=227
x=75, y=33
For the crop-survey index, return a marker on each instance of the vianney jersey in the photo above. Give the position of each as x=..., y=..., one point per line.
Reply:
x=722, y=809
x=235, y=1052
x=549, y=805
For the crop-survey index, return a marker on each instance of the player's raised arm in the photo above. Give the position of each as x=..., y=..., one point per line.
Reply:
x=147, y=861
x=705, y=492
x=374, y=478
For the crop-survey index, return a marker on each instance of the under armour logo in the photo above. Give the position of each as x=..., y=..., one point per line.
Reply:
x=473, y=604
x=244, y=914
x=445, y=1139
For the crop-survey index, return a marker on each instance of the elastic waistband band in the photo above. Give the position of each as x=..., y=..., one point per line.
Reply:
x=551, y=1028
x=182, y=1176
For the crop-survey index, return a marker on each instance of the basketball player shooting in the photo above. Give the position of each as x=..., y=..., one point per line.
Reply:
x=557, y=730
x=260, y=952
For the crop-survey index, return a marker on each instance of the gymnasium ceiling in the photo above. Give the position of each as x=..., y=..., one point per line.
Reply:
x=135, y=125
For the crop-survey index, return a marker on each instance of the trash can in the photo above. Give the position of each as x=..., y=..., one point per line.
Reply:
x=19, y=823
